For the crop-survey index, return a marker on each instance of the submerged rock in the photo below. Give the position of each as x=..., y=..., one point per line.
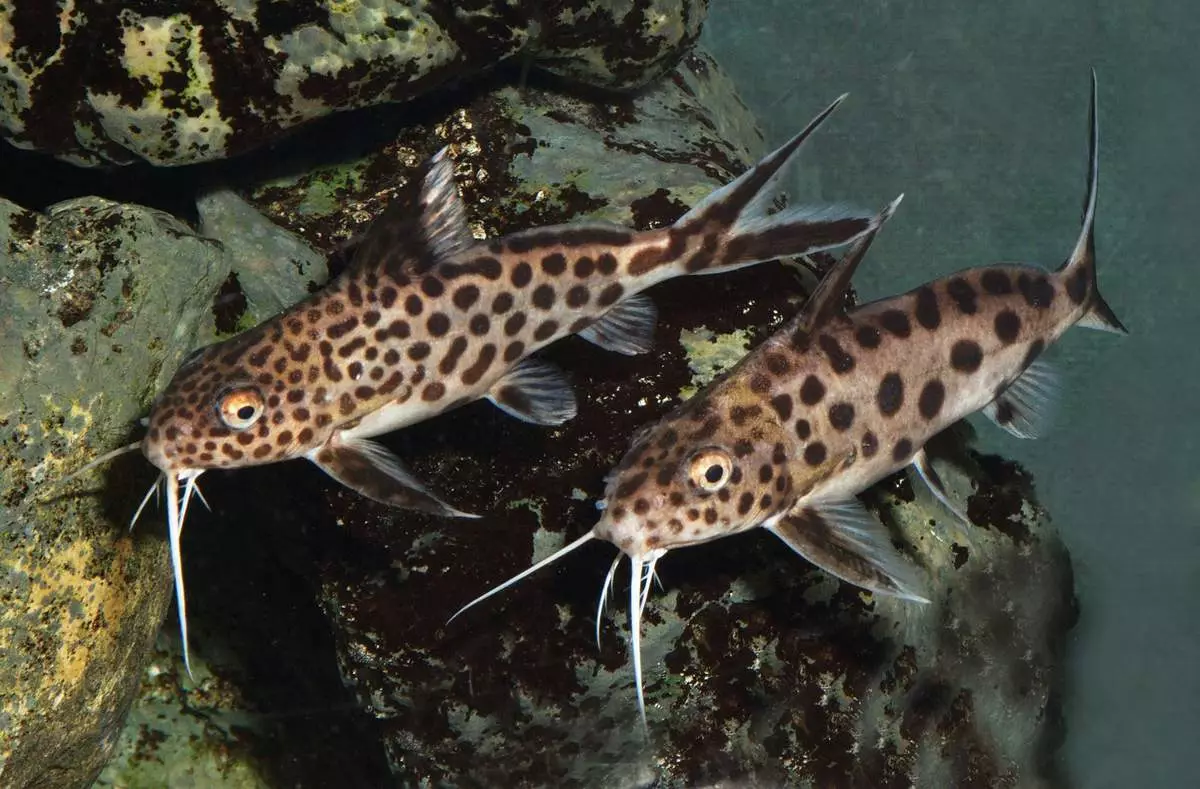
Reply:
x=182, y=82
x=759, y=667
x=90, y=319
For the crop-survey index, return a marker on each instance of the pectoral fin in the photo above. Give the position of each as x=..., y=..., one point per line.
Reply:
x=627, y=328
x=847, y=541
x=370, y=470
x=1026, y=407
x=536, y=392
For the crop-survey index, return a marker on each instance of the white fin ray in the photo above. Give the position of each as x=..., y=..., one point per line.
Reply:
x=176, y=517
x=845, y=540
x=928, y=474
x=1027, y=406
x=554, y=557
x=372, y=471
x=627, y=328
x=605, y=590
x=535, y=391
x=443, y=215
x=154, y=491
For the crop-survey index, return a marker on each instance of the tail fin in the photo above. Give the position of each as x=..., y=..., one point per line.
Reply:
x=731, y=227
x=1079, y=272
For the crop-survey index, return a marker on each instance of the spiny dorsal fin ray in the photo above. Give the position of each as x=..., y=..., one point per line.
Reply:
x=423, y=225
x=627, y=328
x=372, y=471
x=750, y=193
x=845, y=540
x=1026, y=406
x=535, y=391
x=551, y=559
x=827, y=297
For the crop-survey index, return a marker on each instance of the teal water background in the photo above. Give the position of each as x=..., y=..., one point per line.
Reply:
x=977, y=112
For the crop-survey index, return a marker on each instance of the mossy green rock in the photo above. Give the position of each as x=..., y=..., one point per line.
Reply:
x=98, y=301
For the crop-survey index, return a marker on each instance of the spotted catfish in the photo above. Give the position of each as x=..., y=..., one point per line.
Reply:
x=834, y=402
x=428, y=318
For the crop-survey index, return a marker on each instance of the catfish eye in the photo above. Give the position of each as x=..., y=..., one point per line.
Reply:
x=240, y=408
x=710, y=469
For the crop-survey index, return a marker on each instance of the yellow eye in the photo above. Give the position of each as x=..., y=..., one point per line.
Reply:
x=240, y=408
x=710, y=469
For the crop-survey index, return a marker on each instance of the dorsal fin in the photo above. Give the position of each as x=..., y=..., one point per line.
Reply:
x=823, y=302
x=424, y=224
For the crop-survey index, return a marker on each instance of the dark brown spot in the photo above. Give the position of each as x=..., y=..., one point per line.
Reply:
x=839, y=360
x=364, y=392
x=868, y=337
x=465, y=297
x=995, y=282
x=438, y=324
x=933, y=395
x=902, y=451
x=841, y=416
x=870, y=444
x=745, y=502
x=584, y=267
x=765, y=472
x=554, y=264
x=783, y=406
x=280, y=366
x=418, y=351
x=514, y=351
x=777, y=364
x=479, y=325
x=259, y=357
x=740, y=413
x=355, y=371
x=966, y=356
x=342, y=328
x=890, y=395
x=514, y=324
x=502, y=303
x=434, y=390
x=815, y=453
x=413, y=304
x=610, y=294
x=370, y=318
x=391, y=356
x=349, y=348
x=1008, y=326
x=334, y=307
x=387, y=297
x=331, y=370
x=895, y=322
x=346, y=404
x=578, y=296
x=453, y=353
x=522, y=274
x=760, y=384
x=295, y=395
x=301, y=415
x=1037, y=290
x=472, y=374
x=543, y=297
x=929, y=315
x=963, y=295
x=545, y=331
x=432, y=287
x=812, y=390
x=606, y=264
x=742, y=448
x=803, y=429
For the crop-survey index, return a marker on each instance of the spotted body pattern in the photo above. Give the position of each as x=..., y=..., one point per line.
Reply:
x=834, y=402
x=428, y=318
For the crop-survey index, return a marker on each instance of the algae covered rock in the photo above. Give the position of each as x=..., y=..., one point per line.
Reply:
x=181, y=82
x=90, y=319
x=759, y=668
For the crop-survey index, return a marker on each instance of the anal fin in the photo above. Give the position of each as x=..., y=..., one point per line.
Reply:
x=1026, y=407
x=847, y=541
x=627, y=328
x=372, y=471
x=535, y=391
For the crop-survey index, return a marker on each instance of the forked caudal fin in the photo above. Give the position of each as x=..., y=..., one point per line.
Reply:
x=1079, y=271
